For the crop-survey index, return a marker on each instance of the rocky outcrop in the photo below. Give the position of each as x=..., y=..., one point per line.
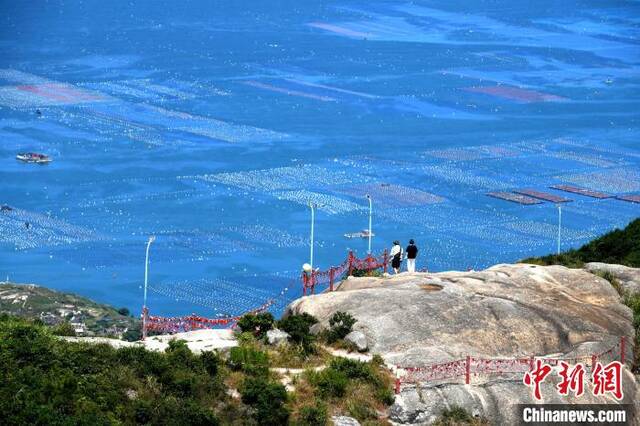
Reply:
x=358, y=339
x=277, y=337
x=629, y=278
x=344, y=421
x=505, y=311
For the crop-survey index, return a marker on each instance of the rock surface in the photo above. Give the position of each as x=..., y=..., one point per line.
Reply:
x=628, y=277
x=505, y=311
x=344, y=421
x=198, y=341
x=358, y=339
x=277, y=337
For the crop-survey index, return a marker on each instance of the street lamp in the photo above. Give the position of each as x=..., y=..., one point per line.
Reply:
x=313, y=221
x=146, y=276
x=370, y=220
x=559, y=225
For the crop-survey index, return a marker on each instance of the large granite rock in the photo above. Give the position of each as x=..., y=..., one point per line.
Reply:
x=277, y=337
x=629, y=278
x=344, y=421
x=505, y=311
x=358, y=339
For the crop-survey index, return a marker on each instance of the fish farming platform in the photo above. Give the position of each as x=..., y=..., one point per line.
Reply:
x=545, y=196
x=515, y=198
x=631, y=198
x=582, y=191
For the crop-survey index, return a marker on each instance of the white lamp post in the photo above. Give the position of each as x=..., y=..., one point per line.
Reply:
x=559, y=225
x=370, y=220
x=146, y=276
x=313, y=220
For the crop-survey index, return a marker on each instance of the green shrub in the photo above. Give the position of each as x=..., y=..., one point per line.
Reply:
x=246, y=339
x=341, y=324
x=330, y=382
x=267, y=399
x=377, y=360
x=45, y=380
x=354, y=369
x=385, y=395
x=619, y=246
x=256, y=324
x=124, y=311
x=63, y=329
x=249, y=360
x=360, y=410
x=313, y=415
x=133, y=334
x=366, y=273
x=456, y=416
x=211, y=362
x=298, y=328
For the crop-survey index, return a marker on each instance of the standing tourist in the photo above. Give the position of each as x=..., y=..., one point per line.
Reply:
x=396, y=256
x=412, y=253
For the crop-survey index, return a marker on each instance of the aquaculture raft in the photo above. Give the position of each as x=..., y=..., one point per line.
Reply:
x=543, y=195
x=630, y=198
x=515, y=198
x=582, y=191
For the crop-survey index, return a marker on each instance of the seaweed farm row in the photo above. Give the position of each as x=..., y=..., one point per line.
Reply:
x=532, y=196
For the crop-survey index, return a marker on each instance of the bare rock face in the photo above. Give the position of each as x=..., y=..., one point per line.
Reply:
x=277, y=337
x=344, y=421
x=358, y=339
x=505, y=311
x=628, y=277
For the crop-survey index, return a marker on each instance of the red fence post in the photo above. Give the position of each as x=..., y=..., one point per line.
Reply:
x=304, y=283
x=385, y=261
x=531, y=360
x=313, y=282
x=350, y=263
x=331, y=276
x=622, y=344
x=467, y=378
x=397, y=386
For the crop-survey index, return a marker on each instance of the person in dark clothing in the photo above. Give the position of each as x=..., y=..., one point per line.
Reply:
x=412, y=253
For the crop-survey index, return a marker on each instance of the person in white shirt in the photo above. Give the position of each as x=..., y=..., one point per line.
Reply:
x=396, y=256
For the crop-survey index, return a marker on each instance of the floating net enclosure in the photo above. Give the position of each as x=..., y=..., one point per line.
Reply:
x=28, y=230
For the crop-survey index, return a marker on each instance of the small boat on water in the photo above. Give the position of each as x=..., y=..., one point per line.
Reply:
x=362, y=234
x=33, y=157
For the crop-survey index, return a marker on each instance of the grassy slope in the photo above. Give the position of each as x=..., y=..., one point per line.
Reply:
x=620, y=246
x=29, y=301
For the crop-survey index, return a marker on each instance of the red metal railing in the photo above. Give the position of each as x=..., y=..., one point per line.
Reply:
x=330, y=276
x=478, y=366
x=191, y=322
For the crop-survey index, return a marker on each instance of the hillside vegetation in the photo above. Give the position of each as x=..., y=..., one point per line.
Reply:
x=621, y=246
x=69, y=313
x=48, y=381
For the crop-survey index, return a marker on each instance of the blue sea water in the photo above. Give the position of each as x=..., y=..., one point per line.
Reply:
x=213, y=124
